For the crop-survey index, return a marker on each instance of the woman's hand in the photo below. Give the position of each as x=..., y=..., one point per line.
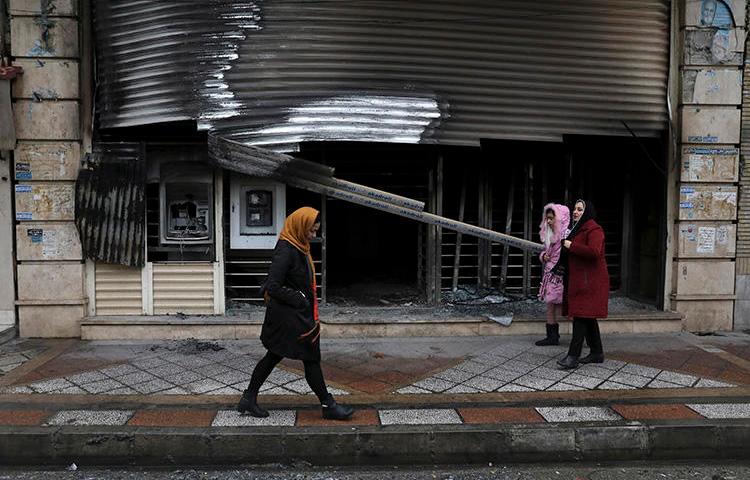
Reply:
x=546, y=257
x=566, y=243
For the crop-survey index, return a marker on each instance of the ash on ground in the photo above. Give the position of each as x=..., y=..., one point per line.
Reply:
x=191, y=346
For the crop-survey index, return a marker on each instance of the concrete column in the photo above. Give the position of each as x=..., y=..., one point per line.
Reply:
x=50, y=270
x=703, y=267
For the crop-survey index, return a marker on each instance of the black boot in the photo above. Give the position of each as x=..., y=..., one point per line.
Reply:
x=334, y=411
x=576, y=344
x=592, y=358
x=249, y=404
x=594, y=339
x=568, y=362
x=553, y=336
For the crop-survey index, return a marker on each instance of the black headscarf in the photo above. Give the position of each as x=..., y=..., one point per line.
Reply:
x=589, y=213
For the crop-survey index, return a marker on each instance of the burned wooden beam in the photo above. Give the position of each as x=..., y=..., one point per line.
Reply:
x=251, y=161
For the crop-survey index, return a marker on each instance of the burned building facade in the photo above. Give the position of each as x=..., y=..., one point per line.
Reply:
x=146, y=192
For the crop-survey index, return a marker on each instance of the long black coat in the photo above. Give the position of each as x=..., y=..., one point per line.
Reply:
x=289, y=312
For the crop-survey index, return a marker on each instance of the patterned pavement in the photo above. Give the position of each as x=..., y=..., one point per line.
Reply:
x=390, y=367
x=518, y=367
x=223, y=372
x=375, y=417
x=515, y=366
x=16, y=352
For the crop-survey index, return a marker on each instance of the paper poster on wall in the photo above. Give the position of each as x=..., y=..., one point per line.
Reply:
x=706, y=239
x=50, y=245
x=722, y=235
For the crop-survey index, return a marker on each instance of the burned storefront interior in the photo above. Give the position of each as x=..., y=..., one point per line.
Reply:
x=480, y=115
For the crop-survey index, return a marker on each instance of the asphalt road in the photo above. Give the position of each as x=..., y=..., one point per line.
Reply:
x=676, y=471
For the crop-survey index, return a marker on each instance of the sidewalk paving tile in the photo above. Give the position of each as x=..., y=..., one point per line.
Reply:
x=135, y=378
x=634, y=369
x=71, y=391
x=454, y=375
x=531, y=381
x=175, y=391
x=90, y=417
x=611, y=364
x=629, y=379
x=102, y=386
x=172, y=418
x=592, y=370
x=564, y=387
x=662, y=384
x=46, y=386
x=679, y=378
x=153, y=386
x=478, y=415
x=610, y=385
x=577, y=414
x=23, y=417
x=485, y=384
x=462, y=389
x=299, y=386
x=123, y=391
x=81, y=379
x=313, y=418
x=499, y=373
x=473, y=367
x=427, y=416
x=411, y=389
x=202, y=386
x=224, y=391
x=511, y=387
x=230, y=377
x=582, y=381
x=707, y=383
x=17, y=389
x=655, y=412
x=276, y=418
x=118, y=370
x=722, y=410
x=281, y=377
x=437, y=385
x=277, y=391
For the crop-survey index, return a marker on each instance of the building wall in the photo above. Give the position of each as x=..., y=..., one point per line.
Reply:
x=46, y=104
x=703, y=267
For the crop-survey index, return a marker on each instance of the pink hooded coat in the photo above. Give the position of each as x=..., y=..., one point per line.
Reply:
x=551, y=287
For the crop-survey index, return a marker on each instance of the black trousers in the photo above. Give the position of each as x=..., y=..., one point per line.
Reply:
x=588, y=329
x=313, y=375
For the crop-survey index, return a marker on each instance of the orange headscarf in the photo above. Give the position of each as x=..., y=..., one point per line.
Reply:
x=296, y=228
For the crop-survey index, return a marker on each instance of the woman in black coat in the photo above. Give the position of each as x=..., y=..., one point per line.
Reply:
x=291, y=328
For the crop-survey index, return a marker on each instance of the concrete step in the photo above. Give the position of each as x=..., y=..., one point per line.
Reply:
x=376, y=322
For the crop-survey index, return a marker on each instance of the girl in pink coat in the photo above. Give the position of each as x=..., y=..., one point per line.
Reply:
x=552, y=231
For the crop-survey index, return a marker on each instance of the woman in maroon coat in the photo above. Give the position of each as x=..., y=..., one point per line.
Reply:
x=587, y=285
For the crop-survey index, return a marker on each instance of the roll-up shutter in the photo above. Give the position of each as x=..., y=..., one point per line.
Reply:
x=422, y=71
x=119, y=290
x=183, y=288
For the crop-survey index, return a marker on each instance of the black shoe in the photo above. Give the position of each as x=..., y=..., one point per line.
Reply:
x=592, y=358
x=553, y=336
x=334, y=411
x=249, y=404
x=547, y=341
x=568, y=362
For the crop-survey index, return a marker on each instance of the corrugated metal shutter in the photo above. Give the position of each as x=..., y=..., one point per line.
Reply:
x=110, y=204
x=743, y=204
x=423, y=71
x=118, y=290
x=183, y=288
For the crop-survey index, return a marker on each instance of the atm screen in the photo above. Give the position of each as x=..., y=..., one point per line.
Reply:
x=259, y=210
